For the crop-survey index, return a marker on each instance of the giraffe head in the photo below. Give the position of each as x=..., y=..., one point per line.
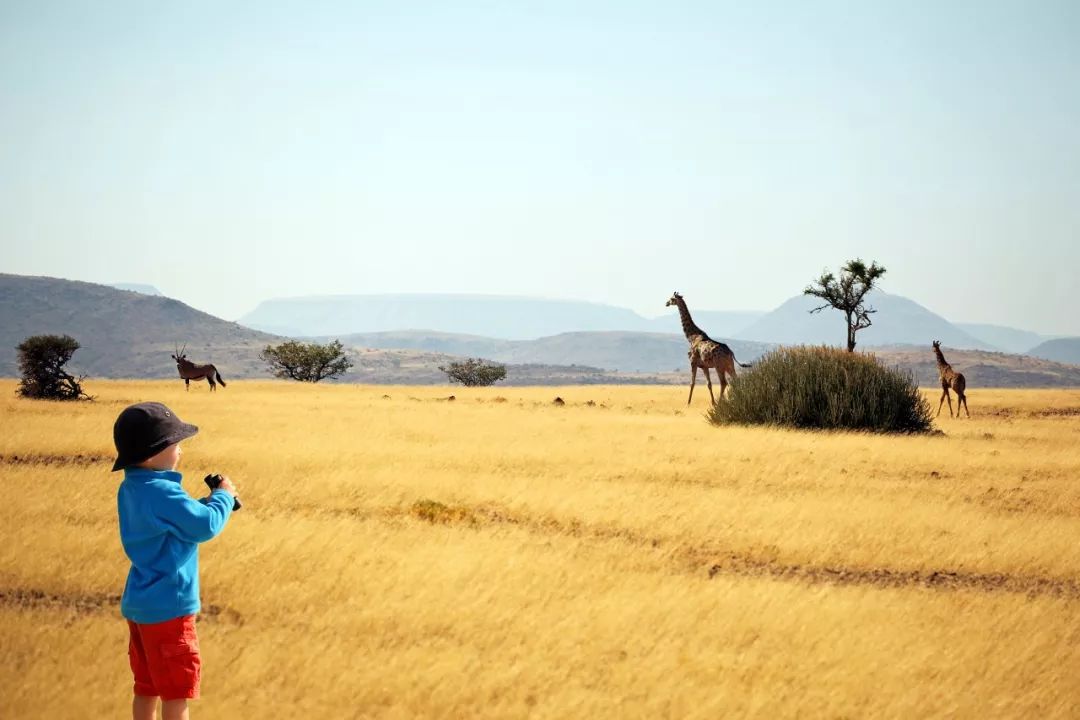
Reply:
x=673, y=300
x=937, y=344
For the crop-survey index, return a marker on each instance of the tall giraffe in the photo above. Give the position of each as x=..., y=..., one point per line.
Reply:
x=704, y=352
x=950, y=379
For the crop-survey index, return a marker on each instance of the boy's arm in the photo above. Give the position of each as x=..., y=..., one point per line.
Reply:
x=189, y=519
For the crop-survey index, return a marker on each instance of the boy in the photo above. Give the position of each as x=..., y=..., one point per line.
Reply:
x=160, y=529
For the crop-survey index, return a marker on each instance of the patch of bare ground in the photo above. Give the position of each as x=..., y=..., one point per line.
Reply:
x=1057, y=412
x=87, y=603
x=1030, y=585
x=45, y=459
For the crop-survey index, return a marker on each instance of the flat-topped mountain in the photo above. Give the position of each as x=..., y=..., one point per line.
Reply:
x=508, y=318
x=898, y=320
x=622, y=351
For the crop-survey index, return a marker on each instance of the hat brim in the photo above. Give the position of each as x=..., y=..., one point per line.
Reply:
x=182, y=432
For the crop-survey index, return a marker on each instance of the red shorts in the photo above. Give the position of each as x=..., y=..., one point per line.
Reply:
x=165, y=658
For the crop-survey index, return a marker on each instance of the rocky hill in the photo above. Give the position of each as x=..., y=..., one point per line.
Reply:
x=122, y=333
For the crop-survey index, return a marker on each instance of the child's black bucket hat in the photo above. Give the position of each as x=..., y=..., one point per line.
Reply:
x=145, y=429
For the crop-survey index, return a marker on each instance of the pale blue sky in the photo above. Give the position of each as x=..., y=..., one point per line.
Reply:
x=614, y=152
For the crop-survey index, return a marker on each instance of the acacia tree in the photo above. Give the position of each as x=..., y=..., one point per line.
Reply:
x=41, y=362
x=846, y=293
x=475, y=372
x=306, y=362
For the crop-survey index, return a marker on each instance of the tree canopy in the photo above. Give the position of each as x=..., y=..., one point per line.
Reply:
x=475, y=372
x=847, y=293
x=41, y=362
x=306, y=362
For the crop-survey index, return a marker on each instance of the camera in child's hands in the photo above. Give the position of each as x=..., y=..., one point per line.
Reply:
x=214, y=481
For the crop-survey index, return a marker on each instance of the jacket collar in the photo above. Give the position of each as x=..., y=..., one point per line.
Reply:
x=146, y=474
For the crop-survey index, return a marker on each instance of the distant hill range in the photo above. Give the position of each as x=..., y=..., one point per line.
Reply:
x=510, y=318
x=621, y=351
x=1003, y=338
x=898, y=321
x=129, y=334
x=1062, y=350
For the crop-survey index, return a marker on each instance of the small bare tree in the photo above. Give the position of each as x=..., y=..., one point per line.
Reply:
x=41, y=362
x=307, y=362
x=846, y=293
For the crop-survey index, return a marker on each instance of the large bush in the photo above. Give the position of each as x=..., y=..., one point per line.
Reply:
x=827, y=388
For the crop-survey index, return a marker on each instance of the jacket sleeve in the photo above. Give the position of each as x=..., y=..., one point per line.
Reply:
x=190, y=519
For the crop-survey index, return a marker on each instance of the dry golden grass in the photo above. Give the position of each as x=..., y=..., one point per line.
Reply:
x=497, y=556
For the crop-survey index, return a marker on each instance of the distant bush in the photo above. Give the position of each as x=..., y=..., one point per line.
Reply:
x=475, y=372
x=826, y=388
x=41, y=362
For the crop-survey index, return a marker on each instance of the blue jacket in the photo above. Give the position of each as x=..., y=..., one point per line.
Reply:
x=161, y=527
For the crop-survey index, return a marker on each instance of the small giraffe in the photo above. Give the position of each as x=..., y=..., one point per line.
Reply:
x=950, y=379
x=704, y=352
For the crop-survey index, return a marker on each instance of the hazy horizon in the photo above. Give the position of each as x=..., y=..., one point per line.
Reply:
x=610, y=153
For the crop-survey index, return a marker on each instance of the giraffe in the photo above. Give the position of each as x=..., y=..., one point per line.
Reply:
x=704, y=352
x=950, y=379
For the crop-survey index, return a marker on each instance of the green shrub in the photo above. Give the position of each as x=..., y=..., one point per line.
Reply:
x=475, y=372
x=825, y=388
x=306, y=362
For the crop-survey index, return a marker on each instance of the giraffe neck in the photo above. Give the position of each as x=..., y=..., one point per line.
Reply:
x=942, y=365
x=688, y=327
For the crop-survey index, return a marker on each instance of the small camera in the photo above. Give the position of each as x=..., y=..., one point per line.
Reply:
x=214, y=481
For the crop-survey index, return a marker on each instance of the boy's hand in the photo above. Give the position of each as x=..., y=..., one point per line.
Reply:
x=227, y=486
x=221, y=482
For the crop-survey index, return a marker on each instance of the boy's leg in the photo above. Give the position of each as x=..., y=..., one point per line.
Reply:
x=144, y=702
x=174, y=710
x=172, y=650
x=143, y=707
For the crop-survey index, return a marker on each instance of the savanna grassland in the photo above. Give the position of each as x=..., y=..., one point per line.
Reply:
x=403, y=555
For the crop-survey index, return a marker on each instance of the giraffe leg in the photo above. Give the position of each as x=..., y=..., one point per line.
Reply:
x=210, y=379
x=942, y=402
x=962, y=399
x=709, y=380
x=187, y=383
x=949, y=398
x=693, y=379
x=723, y=383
